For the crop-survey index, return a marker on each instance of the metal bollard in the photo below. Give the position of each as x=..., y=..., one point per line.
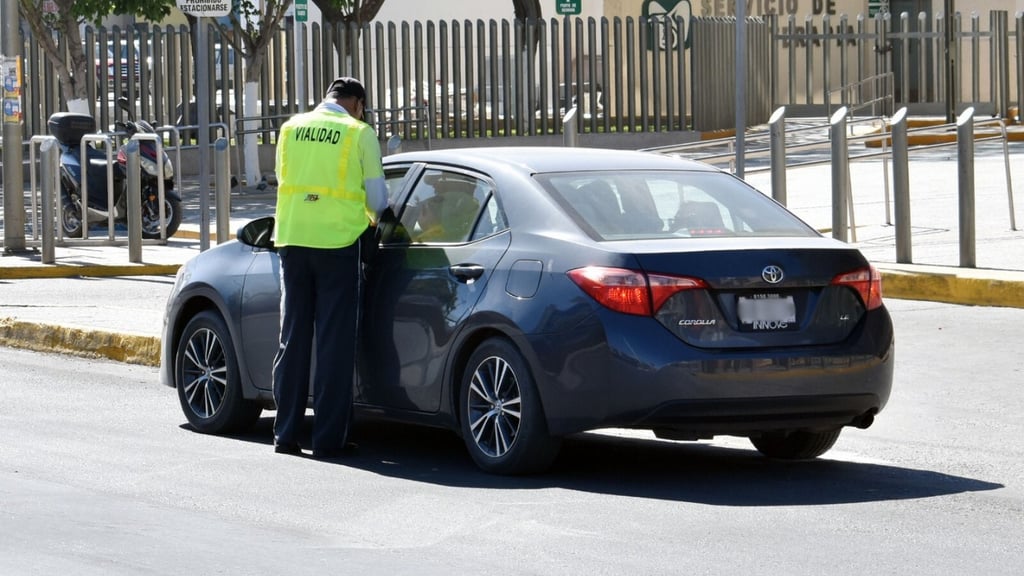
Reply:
x=965, y=178
x=134, y=192
x=840, y=174
x=222, y=188
x=901, y=186
x=569, y=135
x=108, y=145
x=778, y=154
x=50, y=167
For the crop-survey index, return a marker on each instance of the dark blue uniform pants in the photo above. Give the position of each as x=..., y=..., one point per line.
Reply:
x=319, y=298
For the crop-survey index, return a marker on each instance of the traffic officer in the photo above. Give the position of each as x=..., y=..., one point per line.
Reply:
x=330, y=189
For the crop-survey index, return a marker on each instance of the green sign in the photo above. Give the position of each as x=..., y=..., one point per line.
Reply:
x=301, y=10
x=568, y=7
x=877, y=7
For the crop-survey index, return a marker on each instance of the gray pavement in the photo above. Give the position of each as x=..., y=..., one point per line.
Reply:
x=31, y=318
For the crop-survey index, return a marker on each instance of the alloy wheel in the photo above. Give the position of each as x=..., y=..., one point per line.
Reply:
x=494, y=406
x=205, y=373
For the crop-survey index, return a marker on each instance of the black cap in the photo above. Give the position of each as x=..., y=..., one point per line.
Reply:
x=344, y=87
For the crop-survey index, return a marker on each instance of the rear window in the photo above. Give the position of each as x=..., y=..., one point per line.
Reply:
x=679, y=204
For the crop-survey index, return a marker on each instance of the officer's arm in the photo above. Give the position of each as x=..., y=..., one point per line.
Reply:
x=373, y=174
x=376, y=196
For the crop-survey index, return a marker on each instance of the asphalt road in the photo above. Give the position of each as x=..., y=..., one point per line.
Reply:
x=99, y=475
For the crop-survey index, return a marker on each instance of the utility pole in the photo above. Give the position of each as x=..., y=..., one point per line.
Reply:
x=741, y=88
x=14, y=185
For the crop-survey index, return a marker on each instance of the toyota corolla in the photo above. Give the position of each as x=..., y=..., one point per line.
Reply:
x=520, y=295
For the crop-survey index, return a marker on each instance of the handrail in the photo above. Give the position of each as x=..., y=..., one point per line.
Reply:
x=886, y=96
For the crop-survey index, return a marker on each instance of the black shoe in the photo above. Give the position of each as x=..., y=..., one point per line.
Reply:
x=291, y=448
x=347, y=451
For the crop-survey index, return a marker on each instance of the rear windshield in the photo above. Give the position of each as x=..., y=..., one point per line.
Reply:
x=668, y=204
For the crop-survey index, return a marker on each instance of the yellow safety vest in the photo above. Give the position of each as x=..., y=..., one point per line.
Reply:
x=321, y=199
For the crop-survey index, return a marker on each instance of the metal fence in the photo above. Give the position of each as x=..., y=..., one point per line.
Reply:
x=818, y=56
x=489, y=79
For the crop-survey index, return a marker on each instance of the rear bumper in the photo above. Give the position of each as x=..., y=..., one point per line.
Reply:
x=650, y=379
x=693, y=420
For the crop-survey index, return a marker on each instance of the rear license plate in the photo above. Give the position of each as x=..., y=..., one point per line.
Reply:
x=766, y=312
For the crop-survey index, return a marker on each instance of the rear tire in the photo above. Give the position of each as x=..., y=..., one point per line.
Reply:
x=71, y=219
x=799, y=445
x=503, y=423
x=207, y=377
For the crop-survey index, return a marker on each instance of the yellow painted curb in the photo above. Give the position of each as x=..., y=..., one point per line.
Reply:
x=68, y=271
x=194, y=235
x=718, y=134
x=129, y=348
x=1013, y=134
x=952, y=289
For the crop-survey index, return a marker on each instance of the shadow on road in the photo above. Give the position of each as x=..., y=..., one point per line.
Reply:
x=642, y=468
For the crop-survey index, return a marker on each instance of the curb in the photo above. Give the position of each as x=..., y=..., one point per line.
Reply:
x=940, y=286
x=960, y=287
x=87, y=342
x=68, y=271
x=189, y=234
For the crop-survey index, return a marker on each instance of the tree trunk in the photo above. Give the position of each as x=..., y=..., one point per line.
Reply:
x=251, y=43
x=72, y=79
x=251, y=148
x=527, y=11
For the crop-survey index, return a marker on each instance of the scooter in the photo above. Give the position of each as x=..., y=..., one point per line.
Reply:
x=69, y=128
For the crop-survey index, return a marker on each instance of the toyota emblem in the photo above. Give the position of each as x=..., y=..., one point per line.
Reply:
x=772, y=274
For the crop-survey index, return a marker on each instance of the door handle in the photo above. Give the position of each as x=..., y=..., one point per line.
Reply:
x=466, y=272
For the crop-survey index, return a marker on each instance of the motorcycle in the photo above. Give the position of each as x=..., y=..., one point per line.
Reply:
x=69, y=128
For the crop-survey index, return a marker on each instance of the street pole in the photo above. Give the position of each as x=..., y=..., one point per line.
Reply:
x=950, y=62
x=14, y=186
x=741, y=87
x=202, y=87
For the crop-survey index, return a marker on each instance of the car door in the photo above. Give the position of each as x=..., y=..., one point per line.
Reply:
x=431, y=269
x=261, y=301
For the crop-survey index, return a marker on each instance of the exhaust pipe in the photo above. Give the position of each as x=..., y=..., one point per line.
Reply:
x=864, y=420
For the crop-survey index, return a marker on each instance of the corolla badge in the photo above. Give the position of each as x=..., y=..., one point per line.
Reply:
x=772, y=274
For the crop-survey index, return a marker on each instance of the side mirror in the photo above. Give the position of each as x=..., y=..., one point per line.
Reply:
x=125, y=105
x=258, y=233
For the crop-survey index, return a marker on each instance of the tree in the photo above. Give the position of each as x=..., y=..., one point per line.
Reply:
x=252, y=29
x=348, y=11
x=70, y=14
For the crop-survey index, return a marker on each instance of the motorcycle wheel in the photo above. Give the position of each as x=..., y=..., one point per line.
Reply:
x=71, y=219
x=151, y=217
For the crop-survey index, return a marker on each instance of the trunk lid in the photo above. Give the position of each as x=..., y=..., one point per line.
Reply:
x=764, y=292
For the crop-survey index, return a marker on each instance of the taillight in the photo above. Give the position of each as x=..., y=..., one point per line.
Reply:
x=867, y=282
x=663, y=287
x=629, y=291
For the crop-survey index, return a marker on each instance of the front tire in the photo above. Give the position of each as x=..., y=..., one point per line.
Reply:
x=151, y=215
x=799, y=445
x=503, y=423
x=207, y=377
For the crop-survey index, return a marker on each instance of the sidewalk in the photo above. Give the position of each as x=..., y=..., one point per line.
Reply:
x=998, y=279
